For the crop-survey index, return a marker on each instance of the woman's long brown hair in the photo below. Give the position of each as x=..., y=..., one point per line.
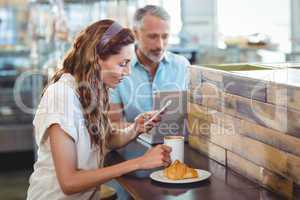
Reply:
x=81, y=62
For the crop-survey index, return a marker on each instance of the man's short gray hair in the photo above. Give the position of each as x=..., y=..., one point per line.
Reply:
x=149, y=10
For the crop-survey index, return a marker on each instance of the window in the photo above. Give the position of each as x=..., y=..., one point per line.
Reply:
x=245, y=17
x=7, y=26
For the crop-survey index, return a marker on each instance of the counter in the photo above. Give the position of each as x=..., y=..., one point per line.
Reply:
x=247, y=117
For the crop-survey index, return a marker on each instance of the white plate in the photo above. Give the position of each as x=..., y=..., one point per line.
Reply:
x=159, y=176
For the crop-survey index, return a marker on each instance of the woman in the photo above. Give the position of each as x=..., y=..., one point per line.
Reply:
x=72, y=128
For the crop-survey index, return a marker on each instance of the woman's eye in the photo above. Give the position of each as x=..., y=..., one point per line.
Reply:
x=123, y=64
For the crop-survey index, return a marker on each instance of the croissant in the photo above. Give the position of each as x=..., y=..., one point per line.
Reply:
x=178, y=170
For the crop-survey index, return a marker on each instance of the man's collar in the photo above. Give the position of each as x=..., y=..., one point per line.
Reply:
x=134, y=60
x=166, y=57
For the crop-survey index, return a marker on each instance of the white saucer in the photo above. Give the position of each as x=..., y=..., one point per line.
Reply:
x=159, y=176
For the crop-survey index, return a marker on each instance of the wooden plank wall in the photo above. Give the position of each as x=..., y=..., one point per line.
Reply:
x=249, y=125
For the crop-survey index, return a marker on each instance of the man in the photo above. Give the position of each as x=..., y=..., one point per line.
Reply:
x=153, y=68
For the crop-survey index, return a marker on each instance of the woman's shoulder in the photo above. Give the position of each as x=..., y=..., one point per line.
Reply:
x=64, y=87
x=59, y=105
x=59, y=96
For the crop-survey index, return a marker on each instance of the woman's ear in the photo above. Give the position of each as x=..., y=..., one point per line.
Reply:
x=99, y=62
x=136, y=34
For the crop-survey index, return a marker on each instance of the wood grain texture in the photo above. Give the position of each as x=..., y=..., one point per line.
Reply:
x=255, y=120
x=248, y=165
x=212, y=75
x=264, y=177
x=257, y=152
x=224, y=120
x=245, y=87
x=276, y=117
x=277, y=139
x=203, y=145
x=293, y=164
x=198, y=126
x=264, y=147
x=197, y=111
x=282, y=116
x=284, y=95
x=271, y=137
x=195, y=78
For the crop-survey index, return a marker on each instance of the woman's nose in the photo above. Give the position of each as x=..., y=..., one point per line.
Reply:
x=126, y=70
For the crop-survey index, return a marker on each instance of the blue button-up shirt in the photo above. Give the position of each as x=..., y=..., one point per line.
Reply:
x=136, y=90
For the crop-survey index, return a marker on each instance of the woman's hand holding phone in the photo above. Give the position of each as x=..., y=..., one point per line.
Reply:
x=146, y=121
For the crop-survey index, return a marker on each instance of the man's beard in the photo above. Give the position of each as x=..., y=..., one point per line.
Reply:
x=154, y=58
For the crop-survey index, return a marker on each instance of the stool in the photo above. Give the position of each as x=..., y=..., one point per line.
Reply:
x=107, y=193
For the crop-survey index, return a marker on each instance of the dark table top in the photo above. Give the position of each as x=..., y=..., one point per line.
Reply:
x=223, y=184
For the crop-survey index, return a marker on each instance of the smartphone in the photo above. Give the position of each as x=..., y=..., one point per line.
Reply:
x=160, y=111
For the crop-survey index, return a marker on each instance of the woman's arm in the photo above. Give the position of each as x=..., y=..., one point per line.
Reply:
x=116, y=116
x=73, y=180
x=121, y=137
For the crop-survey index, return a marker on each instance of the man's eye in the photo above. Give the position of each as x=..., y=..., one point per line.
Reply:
x=152, y=36
x=166, y=36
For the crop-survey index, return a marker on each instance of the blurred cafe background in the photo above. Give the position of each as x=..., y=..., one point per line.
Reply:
x=35, y=34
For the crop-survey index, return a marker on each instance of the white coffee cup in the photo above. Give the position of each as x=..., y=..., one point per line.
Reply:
x=177, y=145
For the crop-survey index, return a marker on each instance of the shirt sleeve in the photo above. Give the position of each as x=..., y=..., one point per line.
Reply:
x=56, y=107
x=115, y=96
